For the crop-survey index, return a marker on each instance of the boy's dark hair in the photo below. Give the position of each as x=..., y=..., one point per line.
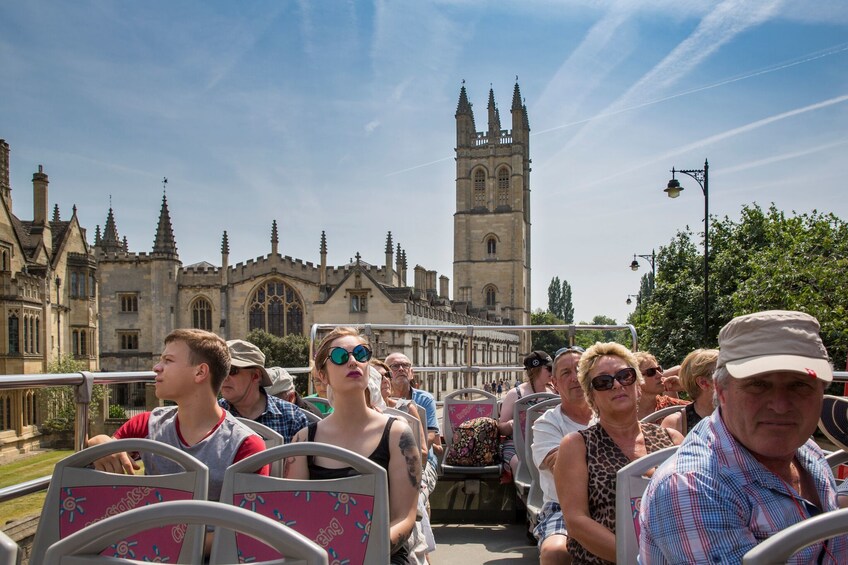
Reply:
x=205, y=347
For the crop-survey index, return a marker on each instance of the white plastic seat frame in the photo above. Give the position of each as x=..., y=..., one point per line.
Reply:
x=786, y=543
x=317, y=401
x=522, y=477
x=84, y=546
x=630, y=484
x=488, y=400
x=414, y=424
x=271, y=437
x=73, y=471
x=10, y=553
x=660, y=414
x=535, y=496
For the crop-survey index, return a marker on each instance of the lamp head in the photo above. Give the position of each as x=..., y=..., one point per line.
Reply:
x=673, y=189
x=629, y=302
x=634, y=266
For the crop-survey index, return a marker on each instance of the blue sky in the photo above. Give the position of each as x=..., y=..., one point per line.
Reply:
x=339, y=116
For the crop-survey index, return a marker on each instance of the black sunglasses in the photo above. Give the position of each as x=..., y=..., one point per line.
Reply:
x=652, y=371
x=340, y=355
x=625, y=377
x=234, y=370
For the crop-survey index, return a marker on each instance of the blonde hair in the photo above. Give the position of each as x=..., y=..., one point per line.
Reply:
x=699, y=363
x=591, y=357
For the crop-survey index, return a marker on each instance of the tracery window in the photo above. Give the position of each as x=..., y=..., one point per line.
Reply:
x=14, y=346
x=201, y=315
x=491, y=296
x=479, y=189
x=503, y=187
x=276, y=308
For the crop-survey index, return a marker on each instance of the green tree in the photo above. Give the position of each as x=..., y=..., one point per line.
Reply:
x=58, y=402
x=289, y=351
x=555, y=298
x=547, y=340
x=567, y=306
x=589, y=337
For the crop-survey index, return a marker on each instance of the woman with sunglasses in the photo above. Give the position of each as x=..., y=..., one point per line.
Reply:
x=654, y=396
x=696, y=376
x=342, y=364
x=585, y=480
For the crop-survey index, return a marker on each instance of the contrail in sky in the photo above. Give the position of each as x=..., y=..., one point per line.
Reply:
x=835, y=50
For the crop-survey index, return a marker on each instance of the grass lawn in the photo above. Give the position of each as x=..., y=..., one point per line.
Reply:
x=25, y=469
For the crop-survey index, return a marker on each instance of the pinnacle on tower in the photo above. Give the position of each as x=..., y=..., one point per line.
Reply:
x=110, y=240
x=164, y=242
x=494, y=120
x=323, y=249
x=97, y=235
x=464, y=106
x=126, y=245
x=225, y=244
x=405, y=265
x=516, y=97
x=74, y=210
x=55, y=213
x=389, y=243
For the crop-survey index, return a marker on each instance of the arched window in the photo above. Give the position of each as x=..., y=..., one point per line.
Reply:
x=491, y=246
x=491, y=296
x=201, y=315
x=38, y=335
x=503, y=187
x=480, y=189
x=276, y=308
x=14, y=346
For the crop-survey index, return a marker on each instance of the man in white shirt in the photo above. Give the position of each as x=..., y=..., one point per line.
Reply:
x=571, y=415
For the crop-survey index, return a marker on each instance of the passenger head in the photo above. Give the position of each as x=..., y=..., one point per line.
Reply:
x=537, y=365
x=402, y=374
x=588, y=367
x=652, y=373
x=696, y=371
x=770, y=377
x=565, y=375
x=325, y=349
x=205, y=347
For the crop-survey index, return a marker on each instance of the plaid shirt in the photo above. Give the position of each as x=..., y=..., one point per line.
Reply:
x=712, y=502
x=283, y=417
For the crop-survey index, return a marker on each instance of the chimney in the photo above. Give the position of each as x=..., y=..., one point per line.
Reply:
x=444, y=285
x=39, y=208
x=420, y=278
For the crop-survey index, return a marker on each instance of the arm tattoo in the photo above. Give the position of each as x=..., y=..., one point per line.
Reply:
x=413, y=460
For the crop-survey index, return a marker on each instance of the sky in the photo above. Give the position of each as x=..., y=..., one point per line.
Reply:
x=339, y=116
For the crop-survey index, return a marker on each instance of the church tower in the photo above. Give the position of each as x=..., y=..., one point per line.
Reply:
x=491, y=259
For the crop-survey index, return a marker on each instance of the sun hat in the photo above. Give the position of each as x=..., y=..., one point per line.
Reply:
x=772, y=341
x=281, y=380
x=244, y=354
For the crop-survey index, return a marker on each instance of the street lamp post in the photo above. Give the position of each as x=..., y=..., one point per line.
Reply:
x=652, y=259
x=629, y=296
x=702, y=177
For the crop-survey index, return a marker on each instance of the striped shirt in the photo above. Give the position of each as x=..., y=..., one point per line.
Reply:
x=713, y=501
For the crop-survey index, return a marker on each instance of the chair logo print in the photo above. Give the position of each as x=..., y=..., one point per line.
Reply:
x=344, y=535
x=460, y=412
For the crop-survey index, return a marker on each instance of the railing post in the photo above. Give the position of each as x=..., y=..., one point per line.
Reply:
x=82, y=397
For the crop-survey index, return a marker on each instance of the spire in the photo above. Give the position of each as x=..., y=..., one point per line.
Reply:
x=274, y=239
x=323, y=249
x=464, y=106
x=516, y=96
x=55, y=213
x=389, y=243
x=164, y=242
x=494, y=129
x=225, y=244
x=466, y=131
x=110, y=240
x=97, y=235
x=322, y=274
x=74, y=210
x=126, y=245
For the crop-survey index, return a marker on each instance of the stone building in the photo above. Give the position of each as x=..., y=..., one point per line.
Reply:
x=144, y=295
x=48, y=297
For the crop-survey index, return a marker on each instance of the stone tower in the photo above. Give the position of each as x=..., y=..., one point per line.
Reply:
x=491, y=265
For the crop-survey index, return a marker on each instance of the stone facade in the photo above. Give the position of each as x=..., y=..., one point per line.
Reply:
x=48, y=298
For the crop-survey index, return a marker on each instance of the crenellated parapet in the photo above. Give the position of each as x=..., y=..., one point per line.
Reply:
x=273, y=264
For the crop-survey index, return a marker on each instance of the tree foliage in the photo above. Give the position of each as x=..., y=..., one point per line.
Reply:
x=289, y=351
x=765, y=260
x=58, y=402
x=559, y=300
x=588, y=338
x=547, y=340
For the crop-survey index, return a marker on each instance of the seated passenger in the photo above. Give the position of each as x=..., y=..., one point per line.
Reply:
x=538, y=367
x=405, y=404
x=696, y=376
x=342, y=363
x=571, y=415
x=751, y=468
x=190, y=372
x=282, y=387
x=244, y=392
x=320, y=392
x=585, y=480
x=653, y=389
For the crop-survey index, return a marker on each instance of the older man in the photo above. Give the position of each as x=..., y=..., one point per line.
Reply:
x=244, y=393
x=571, y=415
x=750, y=470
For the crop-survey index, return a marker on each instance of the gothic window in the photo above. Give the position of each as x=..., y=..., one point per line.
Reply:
x=491, y=296
x=26, y=334
x=74, y=284
x=129, y=302
x=276, y=308
x=129, y=340
x=38, y=335
x=83, y=349
x=491, y=247
x=201, y=315
x=503, y=187
x=31, y=334
x=479, y=189
x=6, y=412
x=92, y=288
x=358, y=302
x=13, y=334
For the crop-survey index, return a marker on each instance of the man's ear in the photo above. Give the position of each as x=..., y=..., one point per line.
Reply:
x=201, y=373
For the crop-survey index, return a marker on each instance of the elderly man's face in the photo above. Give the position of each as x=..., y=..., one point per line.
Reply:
x=565, y=379
x=773, y=414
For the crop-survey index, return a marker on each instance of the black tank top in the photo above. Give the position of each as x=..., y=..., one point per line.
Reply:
x=692, y=417
x=380, y=456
